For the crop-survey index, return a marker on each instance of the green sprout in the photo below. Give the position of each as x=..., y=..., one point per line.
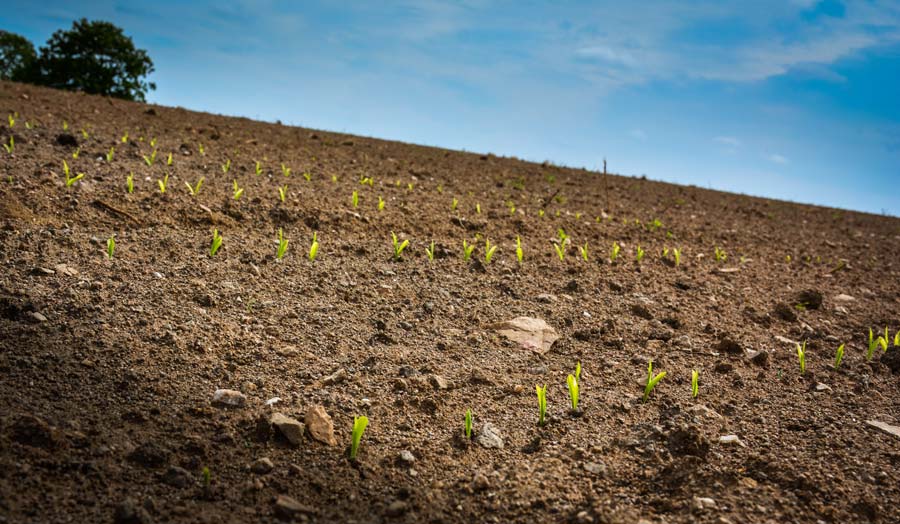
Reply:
x=201, y=149
x=153, y=142
x=614, y=253
x=125, y=137
x=560, y=250
x=195, y=189
x=478, y=208
x=584, y=251
x=258, y=168
x=76, y=153
x=542, y=404
x=695, y=383
x=162, y=183
x=572, y=382
x=469, y=419
x=429, y=252
x=206, y=476
x=359, y=426
x=409, y=186
x=801, y=356
x=838, y=356
x=453, y=204
x=237, y=191
x=71, y=179
x=285, y=170
x=109, y=154
x=887, y=336
x=11, y=146
x=334, y=179
x=65, y=126
x=639, y=255
x=398, y=246
x=354, y=199
x=29, y=125
x=314, y=247
x=541, y=213
x=897, y=339
x=520, y=255
x=307, y=175
x=226, y=166
x=677, y=254
x=872, y=344
x=110, y=247
x=380, y=204
x=282, y=192
x=720, y=254
x=467, y=250
x=652, y=380
x=149, y=160
x=363, y=180
x=282, y=245
x=665, y=252
x=883, y=343
x=216, y=243
x=84, y=133
x=489, y=251
x=12, y=120
x=169, y=159
x=129, y=182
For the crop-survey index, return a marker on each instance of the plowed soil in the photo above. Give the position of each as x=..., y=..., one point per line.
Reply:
x=108, y=366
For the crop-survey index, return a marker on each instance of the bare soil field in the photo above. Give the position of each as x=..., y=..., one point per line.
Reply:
x=166, y=384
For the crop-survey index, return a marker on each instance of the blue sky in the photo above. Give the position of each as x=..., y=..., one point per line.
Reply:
x=791, y=99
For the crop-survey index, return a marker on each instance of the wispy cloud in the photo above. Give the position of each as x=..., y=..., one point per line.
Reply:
x=778, y=159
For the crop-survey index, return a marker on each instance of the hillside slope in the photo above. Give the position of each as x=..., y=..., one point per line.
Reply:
x=110, y=365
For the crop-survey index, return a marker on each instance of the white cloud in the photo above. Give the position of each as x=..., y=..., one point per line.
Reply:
x=778, y=159
x=728, y=141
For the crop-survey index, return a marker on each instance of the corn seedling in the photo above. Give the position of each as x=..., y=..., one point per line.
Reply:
x=314, y=247
x=429, y=252
x=883, y=343
x=366, y=180
x=542, y=404
x=11, y=145
x=12, y=120
x=125, y=137
x=162, y=183
x=282, y=193
x=354, y=199
x=29, y=125
x=206, y=476
x=614, y=252
x=838, y=356
x=897, y=339
x=285, y=170
x=467, y=250
x=216, y=243
x=109, y=155
x=520, y=255
x=71, y=179
x=639, y=254
x=872, y=345
x=665, y=252
x=677, y=254
x=454, y=204
x=560, y=250
x=149, y=160
x=84, y=133
x=584, y=251
x=801, y=356
x=468, y=427
x=478, y=208
x=110, y=247
x=359, y=426
x=380, y=204
x=195, y=189
x=65, y=126
x=720, y=254
x=226, y=167
x=489, y=251
x=129, y=182
x=76, y=153
x=887, y=336
x=307, y=175
x=541, y=213
x=695, y=383
x=258, y=169
x=409, y=186
x=282, y=245
x=237, y=191
x=572, y=385
x=652, y=380
x=398, y=246
x=153, y=142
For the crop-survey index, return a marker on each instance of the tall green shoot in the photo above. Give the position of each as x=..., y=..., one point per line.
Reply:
x=801, y=356
x=237, y=191
x=216, y=243
x=314, y=247
x=839, y=357
x=195, y=189
x=398, y=246
x=110, y=247
x=129, y=183
x=467, y=250
x=614, y=252
x=542, y=404
x=282, y=245
x=429, y=252
x=520, y=254
x=652, y=380
x=489, y=251
x=695, y=383
x=163, y=182
x=359, y=426
x=468, y=424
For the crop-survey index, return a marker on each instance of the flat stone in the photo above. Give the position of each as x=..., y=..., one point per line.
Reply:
x=489, y=436
x=884, y=426
x=288, y=508
x=438, y=382
x=731, y=440
x=290, y=428
x=530, y=333
x=704, y=503
x=320, y=426
x=229, y=397
x=262, y=466
x=35, y=317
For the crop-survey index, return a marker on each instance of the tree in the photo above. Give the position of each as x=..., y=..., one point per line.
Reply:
x=95, y=57
x=17, y=57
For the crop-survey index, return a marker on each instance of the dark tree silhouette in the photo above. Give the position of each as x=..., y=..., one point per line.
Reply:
x=95, y=57
x=17, y=57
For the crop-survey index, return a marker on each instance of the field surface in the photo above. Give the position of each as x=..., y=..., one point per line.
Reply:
x=110, y=401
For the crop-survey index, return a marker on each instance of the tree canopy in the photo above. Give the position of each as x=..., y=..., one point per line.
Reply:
x=93, y=56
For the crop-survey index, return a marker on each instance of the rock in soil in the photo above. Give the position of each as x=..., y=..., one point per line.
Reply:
x=530, y=333
x=291, y=429
x=262, y=466
x=320, y=426
x=288, y=508
x=489, y=436
x=229, y=398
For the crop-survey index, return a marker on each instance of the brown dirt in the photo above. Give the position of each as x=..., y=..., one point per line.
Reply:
x=110, y=392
